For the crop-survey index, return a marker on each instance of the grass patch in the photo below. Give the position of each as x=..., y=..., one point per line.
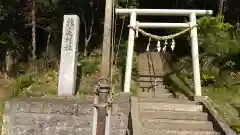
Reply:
x=227, y=103
x=178, y=84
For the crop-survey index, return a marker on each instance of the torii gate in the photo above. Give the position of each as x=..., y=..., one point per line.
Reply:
x=164, y=12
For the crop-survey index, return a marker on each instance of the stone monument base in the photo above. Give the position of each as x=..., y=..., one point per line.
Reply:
x=60, y=116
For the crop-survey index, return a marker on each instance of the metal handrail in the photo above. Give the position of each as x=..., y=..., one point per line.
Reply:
x=149, y=55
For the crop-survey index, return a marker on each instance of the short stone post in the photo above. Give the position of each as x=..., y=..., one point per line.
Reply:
x=69, y=51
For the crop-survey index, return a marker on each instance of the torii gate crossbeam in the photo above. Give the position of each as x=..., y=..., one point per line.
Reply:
x=162, y=25
x=164, y=12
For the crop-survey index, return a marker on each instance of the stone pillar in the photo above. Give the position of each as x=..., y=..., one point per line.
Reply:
x=69, y=50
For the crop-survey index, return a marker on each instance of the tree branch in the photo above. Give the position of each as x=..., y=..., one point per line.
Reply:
x=48, y=30
x=91, y=27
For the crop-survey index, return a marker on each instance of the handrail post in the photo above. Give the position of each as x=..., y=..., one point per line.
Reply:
x=131, y=38
x=195, y=56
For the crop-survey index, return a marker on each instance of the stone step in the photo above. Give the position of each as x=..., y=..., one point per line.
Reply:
x=145, y=67
x=60, y=131
x=159, y=88
x=159, y=85
x=146, y=93
x=145, y=56
x=155, y=60
x=146, y=89
x=198, y=116
x=146, y=63
x=117, y=131
x=153, y=107
x=176, y=124
x=150, y=70
x=147, y=73
x=88, y=131
x=147, y=131
x=172, y=100
x=153, y=53
x=159, y=93
x=163, y=95
x=149, y=79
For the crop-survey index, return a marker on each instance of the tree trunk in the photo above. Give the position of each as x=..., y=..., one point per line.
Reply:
x=221, y=8
x=47, y=51
x=33, y=30
x=47, y=46
x=85, y=50
x=8, y=61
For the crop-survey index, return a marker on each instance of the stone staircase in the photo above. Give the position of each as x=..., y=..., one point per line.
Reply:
x=157, y=112
x=165, y=115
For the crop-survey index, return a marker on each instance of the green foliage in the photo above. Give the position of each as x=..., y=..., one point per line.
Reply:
x=128, y=3
x=217, y=43
x=207, y=78
x=209, y=23
x=90, y=66
x=20, y=84
x=122, y=57
x=178, y=84
x=216, y=37
x=236, y=128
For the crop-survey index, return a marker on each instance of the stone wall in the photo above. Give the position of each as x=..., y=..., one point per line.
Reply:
x=47, y=117
x=60, y=116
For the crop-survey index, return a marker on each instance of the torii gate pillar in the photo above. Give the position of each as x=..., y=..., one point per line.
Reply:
x=195, y=56
x=131, y=38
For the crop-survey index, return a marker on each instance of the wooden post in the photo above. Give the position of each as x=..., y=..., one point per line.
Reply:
x=105, y=66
